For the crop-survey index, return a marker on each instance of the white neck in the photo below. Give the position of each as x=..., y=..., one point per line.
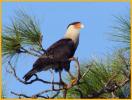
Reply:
x=73, y=34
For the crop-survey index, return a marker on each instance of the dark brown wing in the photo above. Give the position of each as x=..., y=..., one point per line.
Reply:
x=60, y=51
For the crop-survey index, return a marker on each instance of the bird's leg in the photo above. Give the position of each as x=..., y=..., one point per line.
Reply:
x=61, y=81
x=52, y=78
x=73, y=79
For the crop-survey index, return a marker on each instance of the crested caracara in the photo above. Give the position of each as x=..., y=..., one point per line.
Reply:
x=58, y=54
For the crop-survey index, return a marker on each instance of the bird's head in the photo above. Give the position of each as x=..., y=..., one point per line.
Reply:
x=75, y=26
x=73, y=31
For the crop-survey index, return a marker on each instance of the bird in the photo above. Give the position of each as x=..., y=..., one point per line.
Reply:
x=58, y=54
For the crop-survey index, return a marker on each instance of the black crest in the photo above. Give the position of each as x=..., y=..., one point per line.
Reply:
x=73, y=23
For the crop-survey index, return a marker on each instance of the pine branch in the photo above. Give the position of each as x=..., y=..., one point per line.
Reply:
x=39, y=95
x=108, y=88
x=28, y=52
x=13, y=72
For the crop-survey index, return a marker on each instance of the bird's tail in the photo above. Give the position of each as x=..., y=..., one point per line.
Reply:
x=29, y=74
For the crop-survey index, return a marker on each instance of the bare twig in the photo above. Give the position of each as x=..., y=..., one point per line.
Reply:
x=40, y=94
x=64, y=93
x=24, y=95
x=108, y=88
x=43, y=50
x=20, y=95
x=86, y=71
x=55, y=95
x=36, y=51
x=13, y=71
x=42, y=47
x=52, y=78
x=28, y=52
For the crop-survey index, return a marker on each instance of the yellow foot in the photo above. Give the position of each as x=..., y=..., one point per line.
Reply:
x=73, y=81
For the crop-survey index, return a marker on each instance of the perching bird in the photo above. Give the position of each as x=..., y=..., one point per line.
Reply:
x=57, y=55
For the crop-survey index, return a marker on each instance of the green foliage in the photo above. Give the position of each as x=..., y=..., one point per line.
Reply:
x=23, y=32
x=11, y=44
x=115, y=67
x=28, y=28
x=121, y=31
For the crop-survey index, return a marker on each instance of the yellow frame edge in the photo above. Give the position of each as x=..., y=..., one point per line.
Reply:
x=60, y=1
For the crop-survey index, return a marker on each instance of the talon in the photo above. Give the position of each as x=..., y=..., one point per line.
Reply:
x=73, y=81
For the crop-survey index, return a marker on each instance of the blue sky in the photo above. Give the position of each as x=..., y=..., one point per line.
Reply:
x=54, y=18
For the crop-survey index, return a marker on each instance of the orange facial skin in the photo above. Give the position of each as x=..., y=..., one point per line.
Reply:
x=78, y=25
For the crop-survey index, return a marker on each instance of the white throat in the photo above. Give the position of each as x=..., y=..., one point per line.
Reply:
x=73, y=34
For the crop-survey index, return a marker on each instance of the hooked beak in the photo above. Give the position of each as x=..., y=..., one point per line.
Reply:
x=82, y=26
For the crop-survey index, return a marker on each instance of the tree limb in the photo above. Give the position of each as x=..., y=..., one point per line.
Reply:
x=13, y=72
x=107, y=88
x=28, y=52
x=39, y=95
x=36, y=51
